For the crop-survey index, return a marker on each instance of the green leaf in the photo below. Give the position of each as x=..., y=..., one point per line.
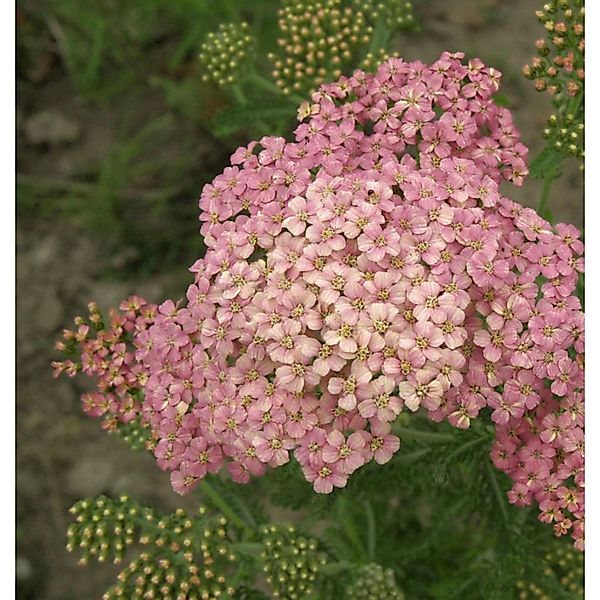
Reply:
x=547, y=161
x=235, y=119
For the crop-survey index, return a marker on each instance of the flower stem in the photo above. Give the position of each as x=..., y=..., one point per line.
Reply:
x=548, y=179
x=573, y=106
x=497, y=491
x=222, y=505
x=238, y=94
x=267, y=85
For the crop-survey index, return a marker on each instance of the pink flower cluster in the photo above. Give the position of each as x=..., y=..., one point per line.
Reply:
x=105, y=353
x=370, y=266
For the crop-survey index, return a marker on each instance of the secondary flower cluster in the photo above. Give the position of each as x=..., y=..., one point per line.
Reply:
x=558, y=69
x=559, y=66
x=373, y=266
x=104, y=351
x=394, y=13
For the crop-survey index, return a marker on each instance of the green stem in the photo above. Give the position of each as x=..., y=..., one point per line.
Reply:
x=231, y=9
x=548, y=179
x=269, y=86
x=497, y=491
x=238, y=94
x=371, y=530
x=572, y=108
x=380, y=38
x=222, y=505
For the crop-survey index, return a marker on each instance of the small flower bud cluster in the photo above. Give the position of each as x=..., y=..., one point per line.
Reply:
x=559, y=64
x=566, y=133
x=103, y=528
x=373, y=582
x=566, y=566
x=558, y=69
x=153, y=576
x=396, y=14
x=291, y=561
x=225, y=52
x=319, y=39
x=104, y=351
x=188, y=557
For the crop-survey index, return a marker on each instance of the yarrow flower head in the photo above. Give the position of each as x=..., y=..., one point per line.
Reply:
x=368, y=267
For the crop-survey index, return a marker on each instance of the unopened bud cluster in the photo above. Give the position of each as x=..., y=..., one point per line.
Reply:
x=563, y=563
x=396, y=14
x=103, y=528
x=559, y=64
x=566, y=133
x=373, y=582
x=319, y=39
x=153, y=576
x=187, y=557
x=292, y=561
x=225, y=52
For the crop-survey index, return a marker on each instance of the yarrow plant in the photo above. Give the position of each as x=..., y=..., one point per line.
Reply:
x=369, y=267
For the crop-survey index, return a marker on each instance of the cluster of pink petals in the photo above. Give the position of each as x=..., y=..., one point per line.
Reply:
x=373, y=266
x=105, y=353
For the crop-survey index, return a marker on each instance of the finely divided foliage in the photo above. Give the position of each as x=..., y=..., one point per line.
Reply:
x=371, y=266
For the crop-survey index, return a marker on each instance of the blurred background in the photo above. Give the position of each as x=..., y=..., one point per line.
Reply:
x=117, y=131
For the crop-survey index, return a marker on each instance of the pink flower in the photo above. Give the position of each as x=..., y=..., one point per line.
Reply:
x=271, y=445
x=202, y=458
x=302, y=211
x=425, y=337
x=325, y=477
x=421, y=388
x=523, y=390
x=288, y=346
x=344, y=278
x=376, y=242
x=294, y=377
x=355, y=385
x=565, y=374
x=485, y=270
x=382, y=444
x=346, y=453
x=333, y=280
x=381, y=404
